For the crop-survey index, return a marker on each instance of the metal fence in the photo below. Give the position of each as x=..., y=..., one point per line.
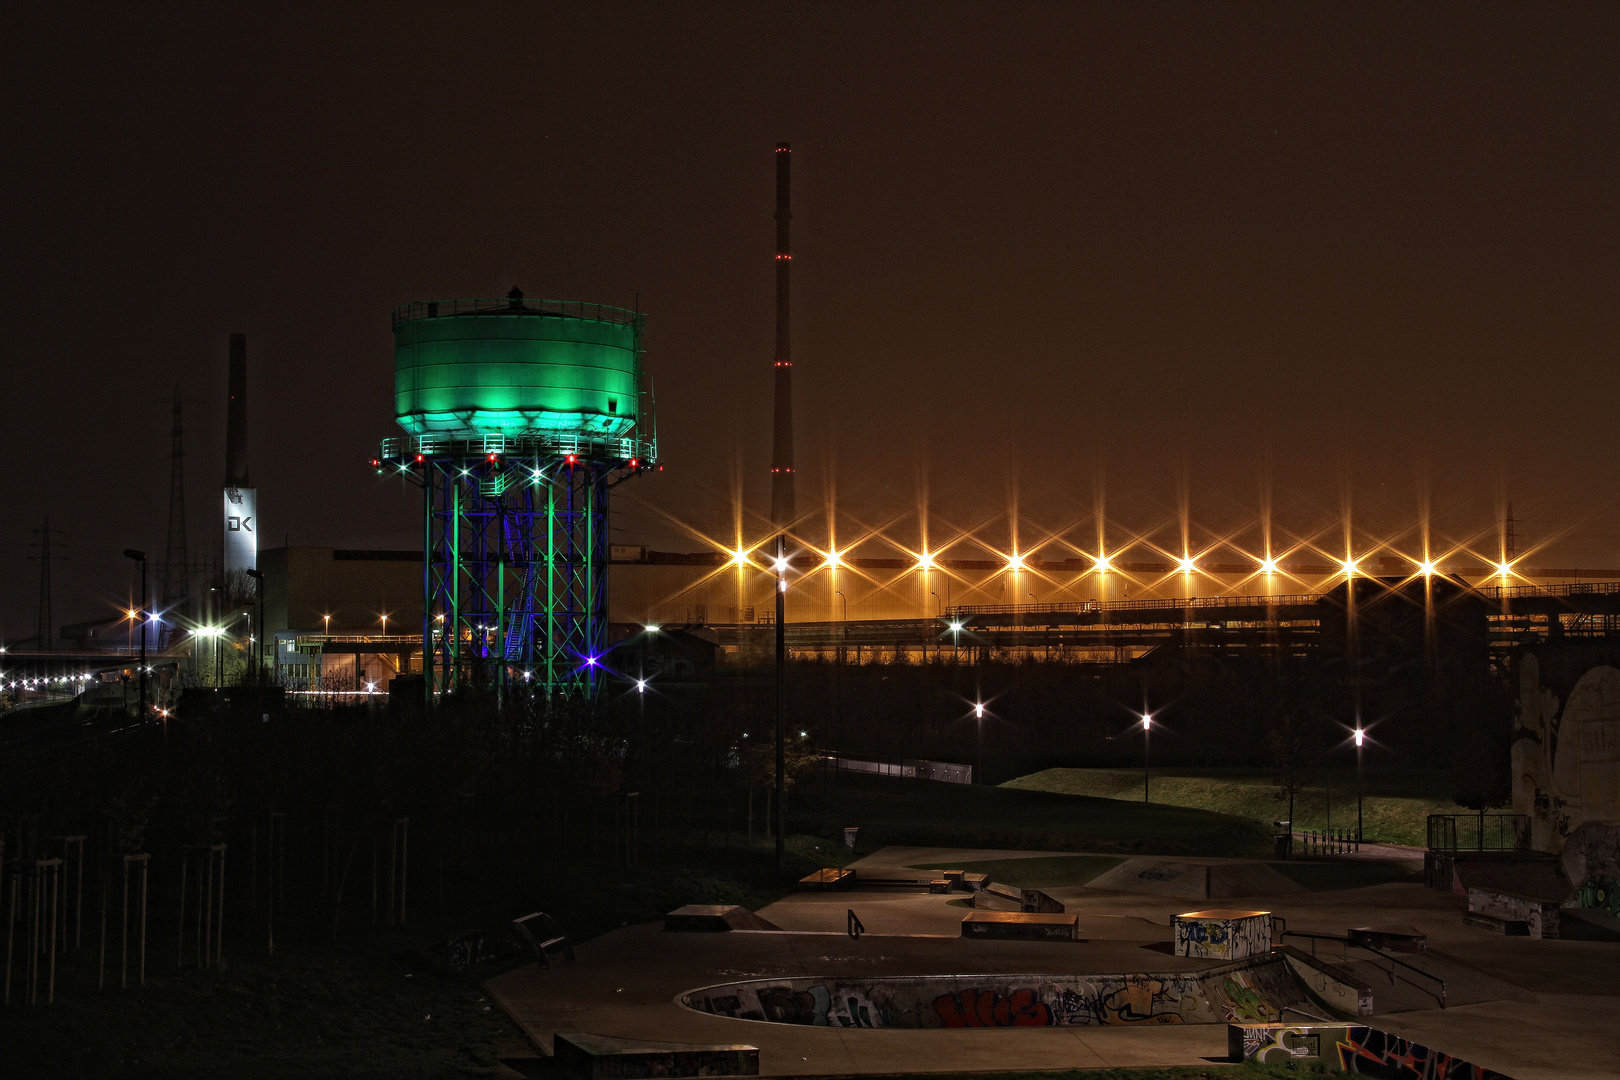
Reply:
x=1451, y=833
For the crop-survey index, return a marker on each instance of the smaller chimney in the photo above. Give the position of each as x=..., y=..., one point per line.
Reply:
x=236, y=462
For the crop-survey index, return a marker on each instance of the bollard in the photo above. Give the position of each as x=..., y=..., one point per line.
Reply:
x=275, y=869
x=180, y=925
x=55, y=868
x=78, y=894
x=219, y=922
x=11, y=927
x=210, y=918
x=398, y=866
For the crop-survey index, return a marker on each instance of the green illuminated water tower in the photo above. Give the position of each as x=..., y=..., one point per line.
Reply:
x=520, y=416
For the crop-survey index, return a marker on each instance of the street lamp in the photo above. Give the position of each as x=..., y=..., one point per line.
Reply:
x=1147, y=725
x=838, y=679
x=258, y=610
x=140, y=557
x=1361, y=737
x=978, y=714
x=781, y=689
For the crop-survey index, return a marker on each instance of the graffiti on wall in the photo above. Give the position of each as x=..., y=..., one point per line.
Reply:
x=1541, y=916
x=1250, y=991
x=1599, y=892
x=1354, y=1048
x=1231, y=937
x=1566, y=747
x=986, y=1008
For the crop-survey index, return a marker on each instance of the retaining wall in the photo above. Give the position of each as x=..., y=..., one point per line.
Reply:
x=1257, y=990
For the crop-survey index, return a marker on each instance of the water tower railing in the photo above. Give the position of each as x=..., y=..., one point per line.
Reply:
x=574, y=309
x=594, y=448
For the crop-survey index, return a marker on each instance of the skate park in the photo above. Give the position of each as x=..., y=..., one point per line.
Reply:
x=913, y=994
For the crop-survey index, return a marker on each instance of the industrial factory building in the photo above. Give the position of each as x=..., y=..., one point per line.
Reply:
x=360, y=611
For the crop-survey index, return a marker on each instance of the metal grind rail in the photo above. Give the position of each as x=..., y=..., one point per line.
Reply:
x=1346, y=944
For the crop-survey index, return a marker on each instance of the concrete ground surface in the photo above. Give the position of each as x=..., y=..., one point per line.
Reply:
x=1534, y=1010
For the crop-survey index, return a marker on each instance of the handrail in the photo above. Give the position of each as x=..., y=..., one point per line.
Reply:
x=1489, y=592
x=1512, y=592
x=1348, y=944
x=1426, y=974
x=1087, y=606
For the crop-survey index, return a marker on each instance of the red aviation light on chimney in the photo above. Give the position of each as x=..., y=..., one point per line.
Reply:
x=634, y=463
x=492, y=457
x=421, y=457
x=573, y=459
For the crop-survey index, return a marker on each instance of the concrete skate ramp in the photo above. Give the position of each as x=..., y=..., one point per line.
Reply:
x=1257, y=990
x=715, y=918
x=1195, y=880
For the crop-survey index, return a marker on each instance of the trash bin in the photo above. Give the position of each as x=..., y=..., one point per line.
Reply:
x=1283, y=841
x=850, y=833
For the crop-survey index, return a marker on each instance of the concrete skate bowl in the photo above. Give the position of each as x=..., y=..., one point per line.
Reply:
x=1262, y=989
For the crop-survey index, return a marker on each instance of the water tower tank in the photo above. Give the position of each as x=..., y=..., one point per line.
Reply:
x=516, y=367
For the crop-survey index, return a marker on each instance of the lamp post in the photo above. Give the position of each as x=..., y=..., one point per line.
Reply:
x=216, y=619
x=838, y=682
x=978, y=714
x=258, y=612
x=781, y=674
x=1147, y=724
x=140, y=557
x=1361, y=737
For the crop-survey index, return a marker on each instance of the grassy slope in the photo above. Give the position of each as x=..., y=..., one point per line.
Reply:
x=1394, y=805
x=925, y=812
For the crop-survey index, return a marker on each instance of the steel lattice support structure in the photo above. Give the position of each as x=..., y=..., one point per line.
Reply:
x=515, y=541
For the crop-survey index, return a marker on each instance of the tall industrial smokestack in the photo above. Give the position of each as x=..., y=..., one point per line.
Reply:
x=241, y=501
x=782, y=511
x=782, y=475
x=236, y=464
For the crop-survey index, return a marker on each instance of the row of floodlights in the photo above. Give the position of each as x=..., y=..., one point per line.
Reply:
x=1101, y=564
x=45, y=680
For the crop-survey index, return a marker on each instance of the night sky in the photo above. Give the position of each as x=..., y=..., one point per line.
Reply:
x=1048, y=255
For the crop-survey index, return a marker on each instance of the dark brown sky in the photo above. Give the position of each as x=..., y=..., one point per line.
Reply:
x=1040, y=249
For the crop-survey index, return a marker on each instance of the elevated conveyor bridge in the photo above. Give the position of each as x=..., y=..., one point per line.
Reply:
x=1289, y=625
